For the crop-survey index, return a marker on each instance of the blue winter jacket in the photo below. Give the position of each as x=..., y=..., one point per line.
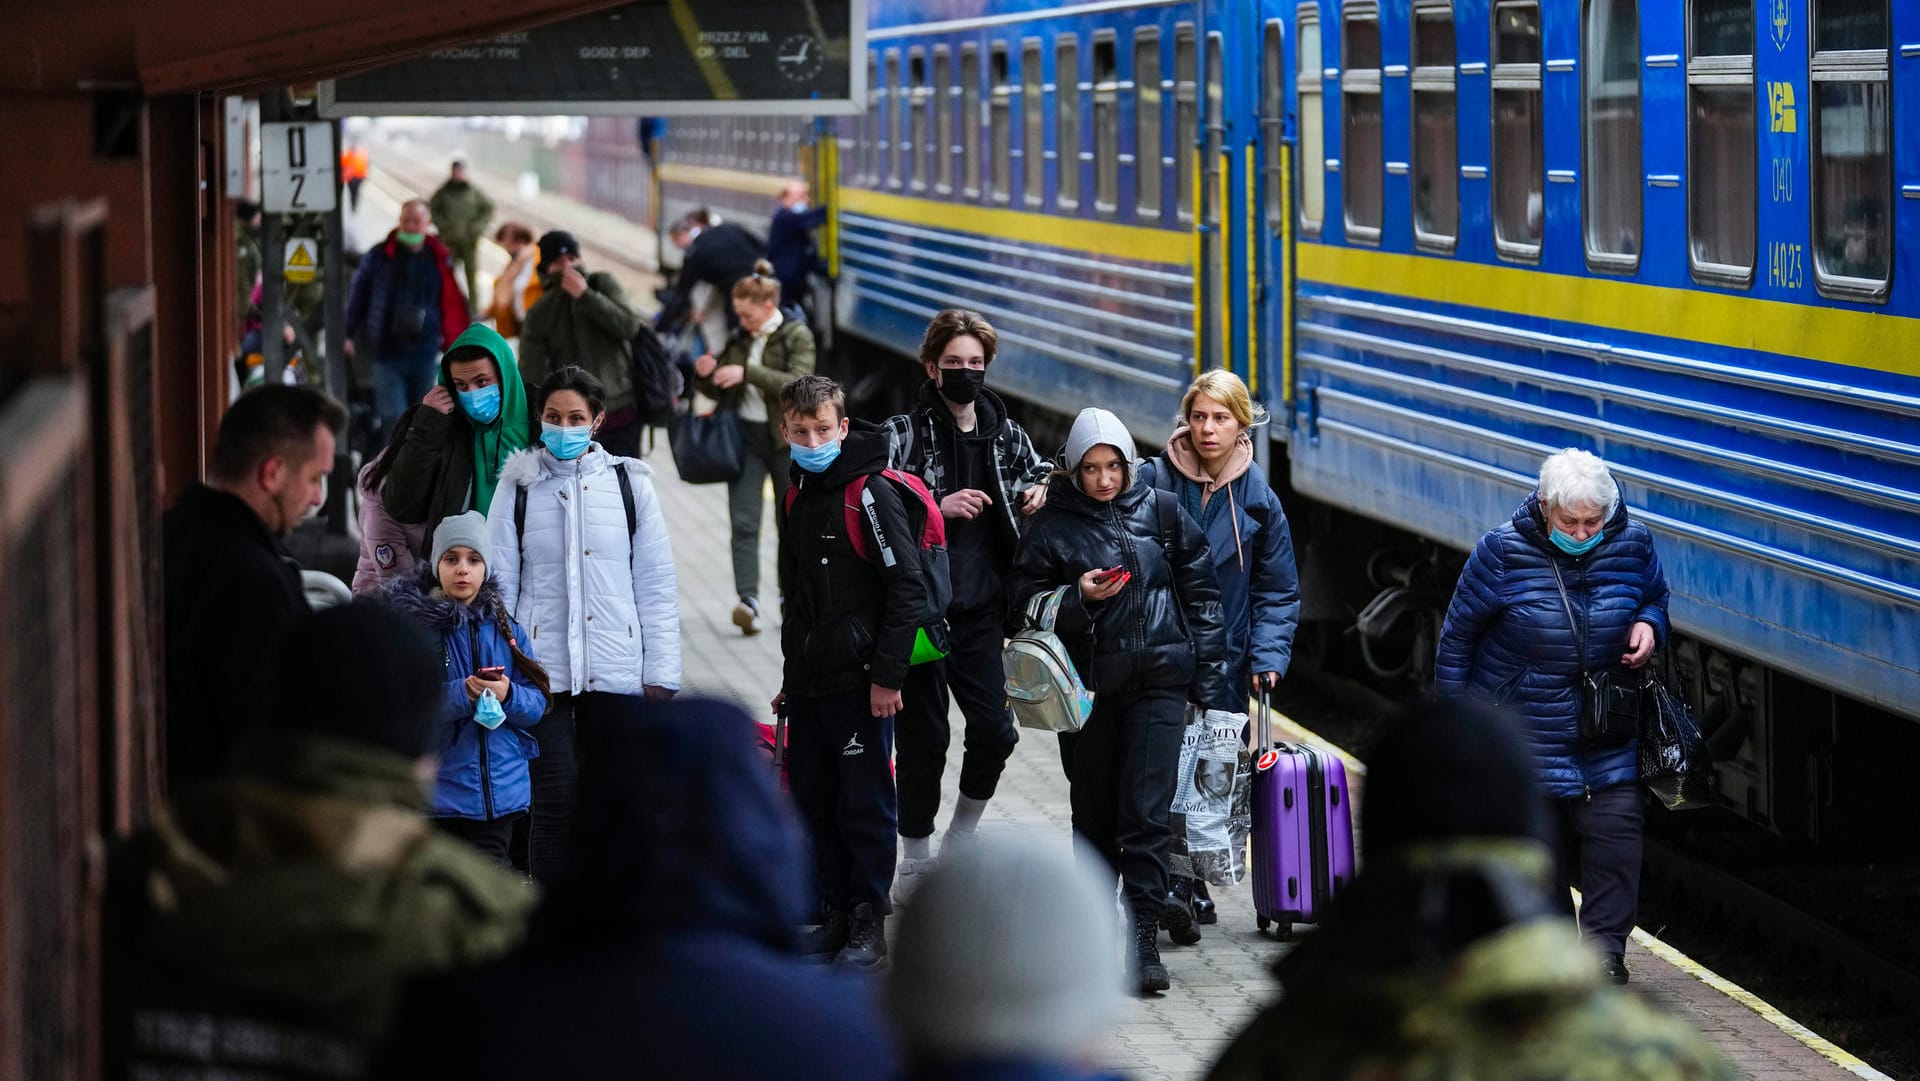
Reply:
x=1508, y=638
x=1253, y=558
x=483, y=774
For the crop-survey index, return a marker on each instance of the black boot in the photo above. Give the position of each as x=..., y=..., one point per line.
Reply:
x=1613, y=969
x=821, y=943
x=866, y=946
x=1152, y=975
x=1177, y=917
x=1204, y=911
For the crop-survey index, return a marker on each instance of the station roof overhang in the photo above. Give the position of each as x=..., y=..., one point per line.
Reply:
x=233, y=46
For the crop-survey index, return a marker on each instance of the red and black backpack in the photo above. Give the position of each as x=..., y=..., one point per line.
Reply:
x=929, y=527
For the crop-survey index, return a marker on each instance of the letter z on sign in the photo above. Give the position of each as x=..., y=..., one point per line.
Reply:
x=297, y=167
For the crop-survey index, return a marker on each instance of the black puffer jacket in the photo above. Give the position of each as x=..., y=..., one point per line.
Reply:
x=1164, y=628
x=850, y=622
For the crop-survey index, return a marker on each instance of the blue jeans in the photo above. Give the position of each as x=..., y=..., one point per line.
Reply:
x=399, y=381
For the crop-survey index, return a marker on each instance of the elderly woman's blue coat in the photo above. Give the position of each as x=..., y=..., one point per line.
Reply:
x=1508, y=637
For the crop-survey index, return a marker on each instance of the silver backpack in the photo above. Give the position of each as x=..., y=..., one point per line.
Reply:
x=1043, y=687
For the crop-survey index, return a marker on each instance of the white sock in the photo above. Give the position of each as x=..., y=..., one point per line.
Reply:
x=916, y=848
x=966, y=814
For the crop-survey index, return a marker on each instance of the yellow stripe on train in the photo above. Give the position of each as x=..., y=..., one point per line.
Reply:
x=1129, y=242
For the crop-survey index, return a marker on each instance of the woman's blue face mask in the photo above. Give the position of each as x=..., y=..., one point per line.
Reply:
x=565, y=444
x=1567, y=544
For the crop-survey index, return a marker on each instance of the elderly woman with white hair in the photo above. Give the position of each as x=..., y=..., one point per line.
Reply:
x=1568, y=596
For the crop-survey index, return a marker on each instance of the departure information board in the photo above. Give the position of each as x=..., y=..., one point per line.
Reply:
x=663, y=58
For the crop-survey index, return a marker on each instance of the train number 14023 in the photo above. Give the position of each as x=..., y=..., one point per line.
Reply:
x=1786, y=265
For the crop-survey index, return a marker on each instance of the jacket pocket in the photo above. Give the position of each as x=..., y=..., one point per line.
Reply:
x=1506, y=689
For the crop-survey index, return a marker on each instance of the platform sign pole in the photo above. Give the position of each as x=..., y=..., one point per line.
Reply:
x=334, y=344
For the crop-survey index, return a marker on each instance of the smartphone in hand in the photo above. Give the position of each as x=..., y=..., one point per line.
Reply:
x=491, y=672
x=1109, y=574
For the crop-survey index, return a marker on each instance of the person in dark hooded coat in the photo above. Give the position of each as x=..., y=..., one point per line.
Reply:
x=670, y=946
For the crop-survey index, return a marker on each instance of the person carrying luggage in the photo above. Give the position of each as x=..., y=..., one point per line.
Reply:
x=981, y=467
x=1208, y=463
x=1142, y=621
x=846, y=643
x=494, y=691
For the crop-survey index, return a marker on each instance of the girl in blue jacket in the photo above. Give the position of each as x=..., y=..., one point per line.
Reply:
x=494, y=689
x=1209, y=464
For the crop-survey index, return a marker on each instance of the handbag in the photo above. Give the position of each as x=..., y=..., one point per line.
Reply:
x=706, y=446
x=1675, y=763
x=1212, y=811
x=1611, y=698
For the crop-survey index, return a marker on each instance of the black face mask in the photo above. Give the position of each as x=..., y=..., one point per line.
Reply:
x=961, y=385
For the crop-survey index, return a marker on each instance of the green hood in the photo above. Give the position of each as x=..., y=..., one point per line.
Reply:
x=509, y=431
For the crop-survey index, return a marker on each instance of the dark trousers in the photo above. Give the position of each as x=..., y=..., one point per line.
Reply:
x=747, y=502
x=566, y=735
x=493, y=839
x=1122, y=770
x=974, y=675
x=1600, y=855
x=840, y=767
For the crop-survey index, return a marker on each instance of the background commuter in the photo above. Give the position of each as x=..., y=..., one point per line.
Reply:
x=790, y=246
x=404, y=308
x=980, y=465
x=714, y=255
x=353, y=166
x=583, y=319
x=668, y=949
x=766, y=352
x=264, y=926
x=232, y=591
x=1570, y=570
x=1447, y=959
x=446, y=452
x=1208, y=463
x=1142, y=587
x=1004, y=969
x=589, y=572
x=845, y=646
x=461, y=211
x=517, y=288
x=492, y=691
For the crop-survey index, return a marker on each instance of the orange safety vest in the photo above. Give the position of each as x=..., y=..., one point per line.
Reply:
x=353, y=163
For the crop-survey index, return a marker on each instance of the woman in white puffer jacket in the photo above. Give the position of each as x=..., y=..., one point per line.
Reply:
x=589, y=573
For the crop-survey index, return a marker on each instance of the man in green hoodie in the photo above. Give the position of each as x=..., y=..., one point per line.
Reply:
x=266, y=922
x=583, y=318
x=446, y=452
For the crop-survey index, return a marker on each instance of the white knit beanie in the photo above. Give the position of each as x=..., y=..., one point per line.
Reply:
x=1008, y=951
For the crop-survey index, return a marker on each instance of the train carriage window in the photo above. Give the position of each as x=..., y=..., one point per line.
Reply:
x=1000, y=126
x=1720, y=141
x=1273, y=110
x=1436, y=121
x=1519, y=164
x=1362, y=166
x=1216, y=134
x=1186, y=116
x=870, y=134
x=893, y=135
x=941, y=102
x=1033, y=139
x=970, y=120
x=1147, y=150
x=1310, y=89
x=918, y=101
x=1106, y=123
x=1610, y=51
x=1066, y=134
x=1852, y=151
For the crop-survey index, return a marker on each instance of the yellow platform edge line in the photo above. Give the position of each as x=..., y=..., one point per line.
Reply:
x=1767, y=1012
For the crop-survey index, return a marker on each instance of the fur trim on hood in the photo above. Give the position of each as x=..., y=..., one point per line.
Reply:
x=524, y=467
x=418, y=597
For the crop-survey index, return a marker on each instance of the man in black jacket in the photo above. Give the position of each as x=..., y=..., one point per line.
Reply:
x=231, y=589
x=847, y=641
x=790, y=246
x=716, y=254
x=982, y=468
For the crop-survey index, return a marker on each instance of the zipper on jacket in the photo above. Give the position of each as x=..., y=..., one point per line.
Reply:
x=486, y=759
x=1130, y=553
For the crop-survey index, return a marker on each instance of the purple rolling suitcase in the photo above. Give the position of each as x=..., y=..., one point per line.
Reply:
x=1302, y=829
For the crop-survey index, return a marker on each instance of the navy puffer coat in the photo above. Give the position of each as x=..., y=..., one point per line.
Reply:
x=1508, y=638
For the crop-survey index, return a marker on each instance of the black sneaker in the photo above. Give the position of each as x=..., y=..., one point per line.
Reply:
x=1147, y=969
x=866, y=946
x=1177, y=916
x=821, y=943
x=1205, y=913
x=1613, y=969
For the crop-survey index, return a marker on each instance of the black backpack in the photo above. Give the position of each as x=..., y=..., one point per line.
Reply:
x=656, y=382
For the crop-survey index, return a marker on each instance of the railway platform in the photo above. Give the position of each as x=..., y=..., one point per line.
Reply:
x=1219, y=985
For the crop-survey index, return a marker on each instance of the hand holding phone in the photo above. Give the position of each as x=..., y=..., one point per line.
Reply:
x=1109, y=574
x=491, y=672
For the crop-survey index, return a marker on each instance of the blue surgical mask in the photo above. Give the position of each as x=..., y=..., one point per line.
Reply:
x=565, y=444
x=1573, y=547
x=488, y=712
x=482, y=405
x=815, y=459
x=800, y=207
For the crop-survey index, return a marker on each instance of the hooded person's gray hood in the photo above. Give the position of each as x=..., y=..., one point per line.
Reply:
x=1097, y=427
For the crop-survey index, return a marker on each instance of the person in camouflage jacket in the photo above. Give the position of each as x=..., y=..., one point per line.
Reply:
x=462, y=212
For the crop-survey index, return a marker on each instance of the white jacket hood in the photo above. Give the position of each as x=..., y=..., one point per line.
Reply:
x=1096, y=427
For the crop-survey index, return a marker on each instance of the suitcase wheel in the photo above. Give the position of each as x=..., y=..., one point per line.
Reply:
x=1262, y=922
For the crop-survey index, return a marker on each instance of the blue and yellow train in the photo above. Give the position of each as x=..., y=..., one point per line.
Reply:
x=1441, y=238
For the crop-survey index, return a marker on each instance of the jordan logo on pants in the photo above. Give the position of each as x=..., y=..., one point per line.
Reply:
x=853, y=749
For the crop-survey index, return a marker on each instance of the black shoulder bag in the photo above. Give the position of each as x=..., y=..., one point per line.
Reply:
x=1610, y=698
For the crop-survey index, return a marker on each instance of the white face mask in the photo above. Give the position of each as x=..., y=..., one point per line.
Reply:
x=800, y=207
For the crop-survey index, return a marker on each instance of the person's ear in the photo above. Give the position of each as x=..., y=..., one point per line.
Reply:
x=845, y=426
x=272, y=474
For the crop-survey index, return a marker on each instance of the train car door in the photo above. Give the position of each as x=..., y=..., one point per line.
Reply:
x=1286, y=47
x=1226, y=258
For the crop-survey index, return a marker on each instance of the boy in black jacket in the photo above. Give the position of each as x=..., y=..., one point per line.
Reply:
x=847, y=640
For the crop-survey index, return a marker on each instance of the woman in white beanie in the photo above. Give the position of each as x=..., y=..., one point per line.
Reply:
x=1141, y=618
